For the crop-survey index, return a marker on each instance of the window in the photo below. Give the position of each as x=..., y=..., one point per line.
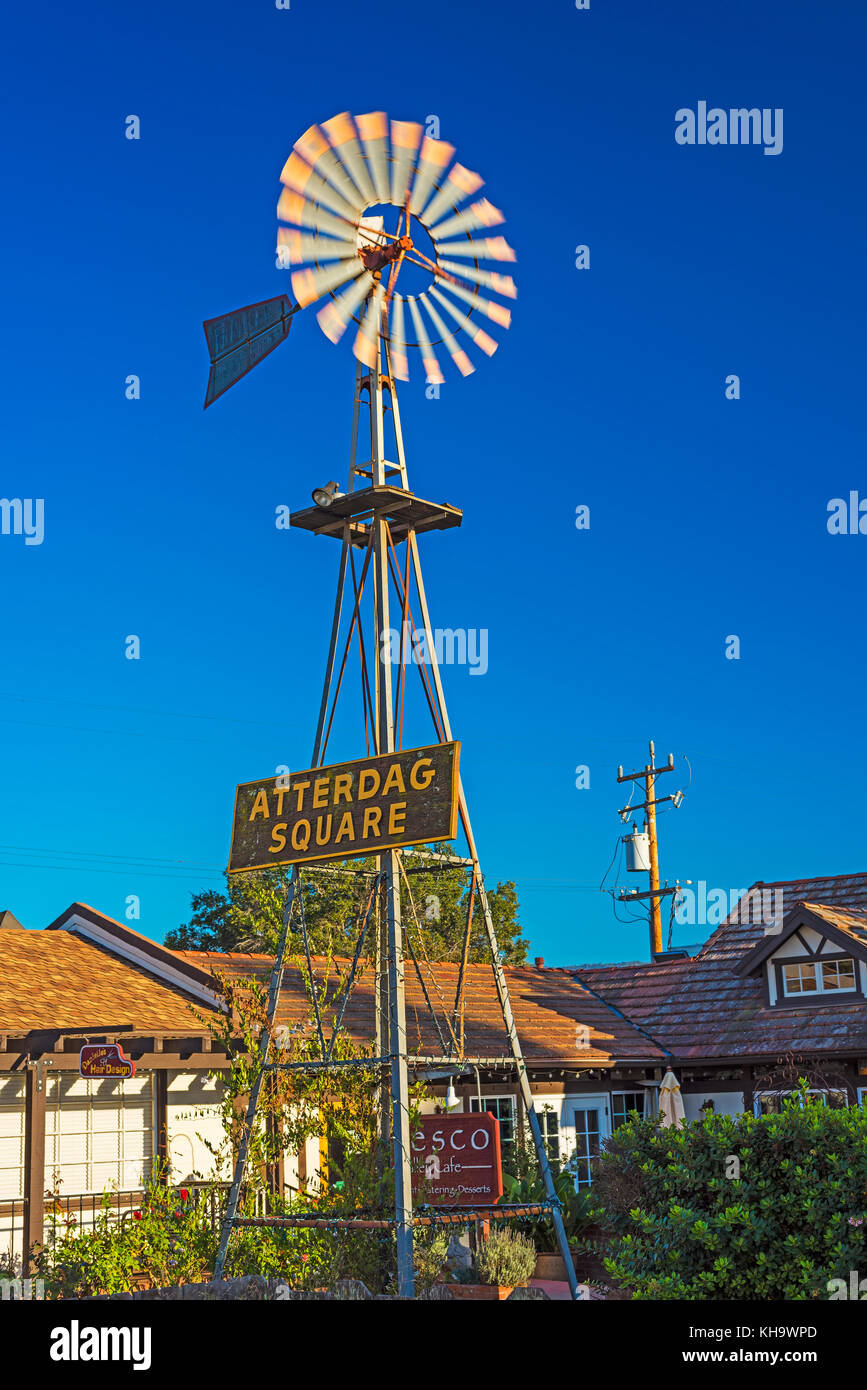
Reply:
x=799, y=979
x=838, y=974
x=621, y=1104
x=771, y=1102
x=98, y=1134
x=11, y=1137
x=504, y=1109
x=588, y=1137
x=549, y=1123
x=819, y=977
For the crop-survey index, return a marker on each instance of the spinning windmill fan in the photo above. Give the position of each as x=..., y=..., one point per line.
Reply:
x=341, y=182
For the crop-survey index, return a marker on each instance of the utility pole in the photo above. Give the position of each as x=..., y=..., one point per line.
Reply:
x=648, y=775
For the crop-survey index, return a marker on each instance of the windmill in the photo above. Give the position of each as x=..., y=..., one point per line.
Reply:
x=339, y=183
x=343, y=181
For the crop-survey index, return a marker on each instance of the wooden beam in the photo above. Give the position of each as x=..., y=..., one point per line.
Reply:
x=161, y=1118
x=34, y=1159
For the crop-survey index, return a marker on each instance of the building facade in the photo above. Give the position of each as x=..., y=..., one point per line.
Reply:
x=762, y=1003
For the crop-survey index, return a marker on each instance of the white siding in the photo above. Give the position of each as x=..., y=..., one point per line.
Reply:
x=194, y=1121
x=724, y=1103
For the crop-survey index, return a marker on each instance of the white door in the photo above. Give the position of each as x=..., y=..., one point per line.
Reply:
x=589, y=1120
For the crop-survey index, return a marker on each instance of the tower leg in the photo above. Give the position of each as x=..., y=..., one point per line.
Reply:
x=399, y=1081
x=392, y=981
x=499, y=974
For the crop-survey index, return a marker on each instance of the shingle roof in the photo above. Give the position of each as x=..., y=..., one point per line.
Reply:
x=854, y=924
x=56, y=980
x=699, y=1008
x=549, y=1005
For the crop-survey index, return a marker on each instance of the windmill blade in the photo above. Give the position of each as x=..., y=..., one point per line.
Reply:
x=484, y=248
x=239, y=340
x=315, y=149
x=480, y=214
x=373, y=129
x=301, y=248
x=460, y=184
x=298, y=176
x=435, y=155
x=503, y=284
x=457, y=354
x=432, y=369
x=334, y=316
x=309, y=285
x=298, y=211
x=498, y=312
x=405, y=140
x=344, y=140
x=481, y=339
x=397, y=339
x=366, y=346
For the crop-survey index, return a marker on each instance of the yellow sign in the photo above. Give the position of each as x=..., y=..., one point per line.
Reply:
x=405, y=798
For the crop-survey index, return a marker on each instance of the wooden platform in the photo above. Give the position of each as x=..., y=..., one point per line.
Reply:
x=403, y=510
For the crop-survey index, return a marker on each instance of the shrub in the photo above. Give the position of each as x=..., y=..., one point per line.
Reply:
x=170, y=1239
x=506, y=1258
x=429, y=1256
x=685, y=1227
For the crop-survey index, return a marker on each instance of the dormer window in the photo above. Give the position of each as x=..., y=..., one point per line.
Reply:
x=819, y=977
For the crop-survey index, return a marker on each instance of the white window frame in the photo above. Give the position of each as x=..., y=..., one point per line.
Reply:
x=86, y=1105
x=512, y=1101
x=624, y=1091
x=817, y=977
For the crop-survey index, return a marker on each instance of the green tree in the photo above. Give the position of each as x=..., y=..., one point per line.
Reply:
x=248, y=914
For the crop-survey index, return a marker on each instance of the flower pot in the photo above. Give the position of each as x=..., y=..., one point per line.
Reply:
x=551, y=1267
x=488, y=1292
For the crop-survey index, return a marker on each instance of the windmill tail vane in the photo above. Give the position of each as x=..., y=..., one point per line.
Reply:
x=341, y=183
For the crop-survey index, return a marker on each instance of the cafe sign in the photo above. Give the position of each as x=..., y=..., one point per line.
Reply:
x=99, y=1060
x=455, y=1160
x=405, y=798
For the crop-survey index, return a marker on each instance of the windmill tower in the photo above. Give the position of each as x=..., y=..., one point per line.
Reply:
x=366, y=203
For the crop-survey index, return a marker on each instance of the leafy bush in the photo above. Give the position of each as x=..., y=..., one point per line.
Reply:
x=685, y=1227
x=429, y=1257
x=170, y=1239
x=506, y=1258
x=580, y=1210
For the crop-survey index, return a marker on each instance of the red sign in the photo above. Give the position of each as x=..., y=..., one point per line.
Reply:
x=456, y=1160
x=104, y=1059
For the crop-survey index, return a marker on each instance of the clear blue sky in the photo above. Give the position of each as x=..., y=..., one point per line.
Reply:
x=708, y=516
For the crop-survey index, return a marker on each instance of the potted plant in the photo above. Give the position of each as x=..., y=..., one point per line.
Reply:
x=581, y=1220
x=505, y=1262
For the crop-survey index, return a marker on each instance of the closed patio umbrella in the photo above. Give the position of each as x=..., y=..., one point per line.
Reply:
x=670, y=1101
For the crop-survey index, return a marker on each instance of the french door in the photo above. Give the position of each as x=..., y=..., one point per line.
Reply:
x=589, y=1116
